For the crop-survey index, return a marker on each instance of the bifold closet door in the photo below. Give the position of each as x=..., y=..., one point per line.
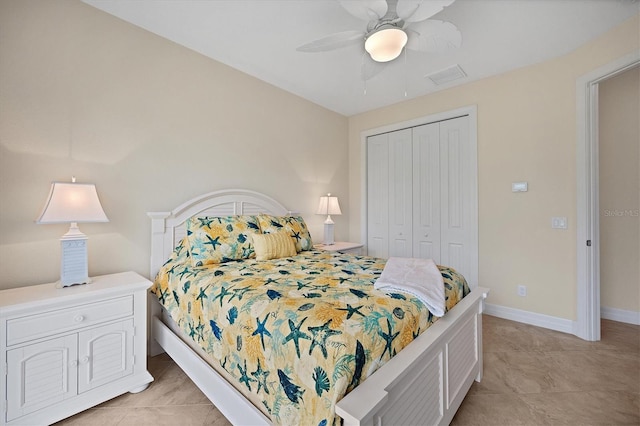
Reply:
x=400, y=194
x=422, y=195
x=389, y=194
x=426, y=191
x=457, y=198
x=378, y=195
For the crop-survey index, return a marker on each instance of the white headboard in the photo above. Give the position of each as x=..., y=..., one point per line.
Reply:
x=168, y=228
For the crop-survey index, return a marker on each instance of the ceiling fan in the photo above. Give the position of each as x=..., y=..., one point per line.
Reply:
x=393, y=25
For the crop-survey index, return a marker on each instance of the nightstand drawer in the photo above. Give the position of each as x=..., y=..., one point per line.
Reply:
x=41, y=325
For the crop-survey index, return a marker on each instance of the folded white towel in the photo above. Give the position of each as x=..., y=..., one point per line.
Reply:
x=418, y=277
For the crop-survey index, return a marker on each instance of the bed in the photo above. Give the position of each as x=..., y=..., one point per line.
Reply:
x=424, y=383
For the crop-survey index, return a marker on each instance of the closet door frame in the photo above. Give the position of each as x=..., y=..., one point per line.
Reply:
x=471, y=112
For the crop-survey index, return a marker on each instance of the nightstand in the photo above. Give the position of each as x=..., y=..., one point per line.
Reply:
x=342, y=247
x=65, y=350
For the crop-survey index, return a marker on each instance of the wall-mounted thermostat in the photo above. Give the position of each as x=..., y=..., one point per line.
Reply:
x=519, y=187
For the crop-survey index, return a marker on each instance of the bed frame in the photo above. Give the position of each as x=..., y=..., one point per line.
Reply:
x=423, y=384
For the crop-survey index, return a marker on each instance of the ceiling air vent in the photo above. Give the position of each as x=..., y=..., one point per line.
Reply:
x=446, y=75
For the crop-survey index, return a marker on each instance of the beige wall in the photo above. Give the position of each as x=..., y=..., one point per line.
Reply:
x=619, y=172
x=526, y=132
x=151, y=123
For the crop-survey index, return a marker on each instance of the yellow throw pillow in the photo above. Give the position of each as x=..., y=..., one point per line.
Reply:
x=273, y=246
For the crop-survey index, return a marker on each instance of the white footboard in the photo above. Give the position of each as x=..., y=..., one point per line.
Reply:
x=426, y=382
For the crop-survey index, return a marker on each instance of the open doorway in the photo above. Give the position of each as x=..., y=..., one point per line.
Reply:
x=588, y=212
x=619, y=196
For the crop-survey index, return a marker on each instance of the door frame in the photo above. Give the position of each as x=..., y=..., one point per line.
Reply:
x=587, y=325
x=472, y=112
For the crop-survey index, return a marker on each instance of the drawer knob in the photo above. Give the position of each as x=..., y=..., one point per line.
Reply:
x=74, y=363
x=79, y=318
x=85, y=360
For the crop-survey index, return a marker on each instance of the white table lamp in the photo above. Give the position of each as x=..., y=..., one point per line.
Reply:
x=328, y=205
x=72, y=203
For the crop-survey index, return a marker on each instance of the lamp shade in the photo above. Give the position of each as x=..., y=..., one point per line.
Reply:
x=386, y=43
x=329, y=205
x=72, y=202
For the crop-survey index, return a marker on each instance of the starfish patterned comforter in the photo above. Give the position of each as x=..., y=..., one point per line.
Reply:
x=299, y=332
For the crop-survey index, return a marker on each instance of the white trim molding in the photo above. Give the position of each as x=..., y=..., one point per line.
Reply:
x=588, y=220
x=531, y=318
x=620, y=315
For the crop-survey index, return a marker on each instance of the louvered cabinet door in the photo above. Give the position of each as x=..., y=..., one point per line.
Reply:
x=105, y=354
x=40, y=375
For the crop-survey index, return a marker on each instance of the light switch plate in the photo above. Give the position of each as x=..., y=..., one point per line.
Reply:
x=559, y=222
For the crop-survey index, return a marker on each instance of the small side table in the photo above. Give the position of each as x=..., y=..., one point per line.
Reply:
x=68, y=349
x=342, y=247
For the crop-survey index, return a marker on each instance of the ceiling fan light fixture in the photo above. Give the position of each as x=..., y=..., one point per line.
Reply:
x=386, y=43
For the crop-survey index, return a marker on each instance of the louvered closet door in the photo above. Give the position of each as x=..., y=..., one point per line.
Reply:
x=426, y=191
x=457, y=197
x=400, y=194
x=378, y=195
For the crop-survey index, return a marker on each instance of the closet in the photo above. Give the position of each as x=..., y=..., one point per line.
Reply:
x=422, y=195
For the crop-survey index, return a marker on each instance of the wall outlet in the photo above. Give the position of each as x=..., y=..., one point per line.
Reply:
x=522, y=290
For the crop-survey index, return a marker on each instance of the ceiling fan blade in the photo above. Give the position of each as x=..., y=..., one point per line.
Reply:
x=419, y=10
x=433, y=36
x=368, y=10
x=370, y=68
x=333, y=41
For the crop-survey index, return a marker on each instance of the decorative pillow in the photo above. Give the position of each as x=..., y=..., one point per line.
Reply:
x=221, y=239
x=293, y=224
x=273, y=246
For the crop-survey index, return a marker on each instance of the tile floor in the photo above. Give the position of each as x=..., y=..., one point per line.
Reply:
x=535, y=376
x=532, y=376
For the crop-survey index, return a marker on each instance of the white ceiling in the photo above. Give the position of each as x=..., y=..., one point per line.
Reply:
x=260, y=37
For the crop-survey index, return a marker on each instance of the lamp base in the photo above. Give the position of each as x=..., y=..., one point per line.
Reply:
x=328, y=234
x=73, y=262
x=58, y=284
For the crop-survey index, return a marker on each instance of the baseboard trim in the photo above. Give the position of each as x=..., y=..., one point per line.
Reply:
x=532, y=318
x=629, y=317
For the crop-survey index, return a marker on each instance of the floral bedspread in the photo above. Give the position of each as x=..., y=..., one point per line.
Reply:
x=299, y=332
